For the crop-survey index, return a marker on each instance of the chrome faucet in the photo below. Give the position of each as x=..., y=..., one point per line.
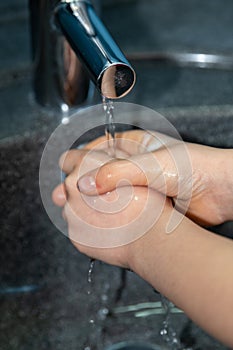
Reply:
x=70, y=44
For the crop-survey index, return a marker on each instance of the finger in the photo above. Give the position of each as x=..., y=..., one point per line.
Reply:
x=135, y=136
x=99, y=143
x=69, y=160
x=84, y=160
x=59, y=195
x=132, y=141
x=135, y=141
x=142, y=141
x=159, y=173
x=106, y=178
x=142, y=170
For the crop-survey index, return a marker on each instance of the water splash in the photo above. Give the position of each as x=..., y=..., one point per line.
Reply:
x=167, y=332
x=98, y=315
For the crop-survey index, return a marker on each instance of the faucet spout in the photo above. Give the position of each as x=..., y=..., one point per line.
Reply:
x=70, y=46
x=90, y=40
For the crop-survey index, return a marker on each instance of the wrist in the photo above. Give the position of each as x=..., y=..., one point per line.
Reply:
x=158, y=256
x=152, y=251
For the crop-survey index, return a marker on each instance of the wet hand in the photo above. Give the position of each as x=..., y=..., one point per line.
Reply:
x=108, y=227
x=197, y=178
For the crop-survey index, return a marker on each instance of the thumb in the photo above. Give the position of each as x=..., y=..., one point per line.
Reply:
x=140, y=170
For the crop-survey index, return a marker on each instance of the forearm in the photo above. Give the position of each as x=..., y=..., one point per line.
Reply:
x=227, y=183
x=193, y=268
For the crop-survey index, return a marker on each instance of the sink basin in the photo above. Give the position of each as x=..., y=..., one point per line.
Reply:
x=44, y=289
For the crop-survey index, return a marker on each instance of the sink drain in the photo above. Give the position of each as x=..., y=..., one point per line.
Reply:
x=134, y=346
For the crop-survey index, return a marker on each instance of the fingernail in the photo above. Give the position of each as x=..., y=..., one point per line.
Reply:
x=87, y=184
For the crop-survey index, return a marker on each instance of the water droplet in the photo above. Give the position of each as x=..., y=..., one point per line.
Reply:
x=102, y=313
x=90, y=271
x=65, y=120
x=64, y=108
x=163, y=332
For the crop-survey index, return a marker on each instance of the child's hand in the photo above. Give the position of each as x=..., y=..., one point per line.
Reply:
x=198, y=178
x=114, y=220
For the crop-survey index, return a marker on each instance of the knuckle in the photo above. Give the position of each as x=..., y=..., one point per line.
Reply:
x=70, y=182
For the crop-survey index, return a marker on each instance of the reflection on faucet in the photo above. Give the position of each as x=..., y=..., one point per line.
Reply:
x=72, y=71
x=63, y=31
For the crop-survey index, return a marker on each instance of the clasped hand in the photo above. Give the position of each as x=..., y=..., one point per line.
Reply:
x=155, y=180
x=154, y=164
